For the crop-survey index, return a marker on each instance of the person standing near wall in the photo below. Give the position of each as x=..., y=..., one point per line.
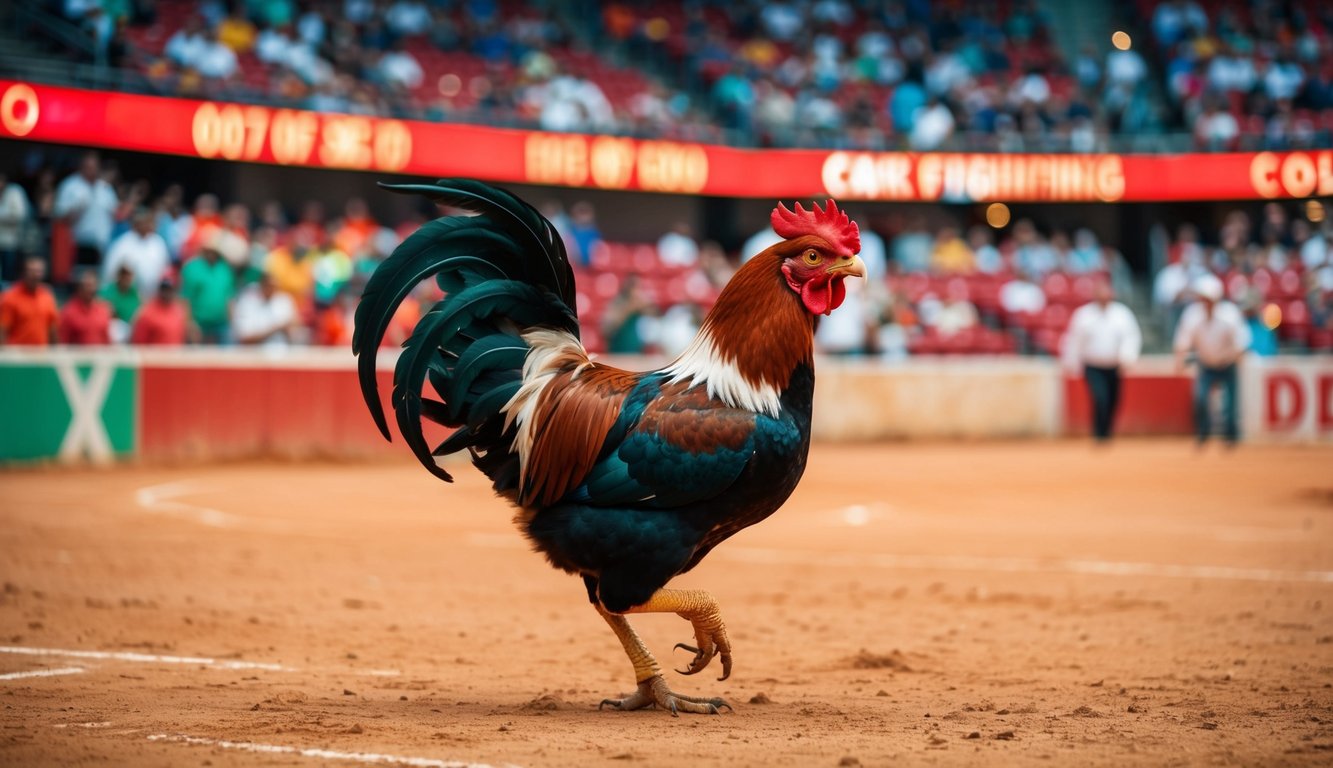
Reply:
x=1103, y=338
x=1214, y=330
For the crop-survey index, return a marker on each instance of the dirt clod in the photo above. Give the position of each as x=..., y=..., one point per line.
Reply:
x=893, y=660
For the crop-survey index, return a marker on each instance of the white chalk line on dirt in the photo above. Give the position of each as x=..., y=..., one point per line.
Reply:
x=144, y=658
x=164, y=499
x=320, y=754
x=1021, y=565
x=151, y=658
x=970, y=563
x=43, y=673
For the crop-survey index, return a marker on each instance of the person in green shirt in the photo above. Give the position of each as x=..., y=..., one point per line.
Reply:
x=208, y=285
x=123, y=296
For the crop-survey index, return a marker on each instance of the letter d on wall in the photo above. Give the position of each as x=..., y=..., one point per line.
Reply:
x=1284, y=401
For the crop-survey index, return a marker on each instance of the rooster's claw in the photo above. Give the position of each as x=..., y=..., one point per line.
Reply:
x=654, y=692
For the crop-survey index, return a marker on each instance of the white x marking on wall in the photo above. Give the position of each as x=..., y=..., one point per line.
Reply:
x=86, y=434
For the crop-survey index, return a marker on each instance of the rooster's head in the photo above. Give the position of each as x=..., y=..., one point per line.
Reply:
x=818, y=252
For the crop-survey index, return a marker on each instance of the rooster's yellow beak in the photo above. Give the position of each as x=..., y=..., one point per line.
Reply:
x=849, y=266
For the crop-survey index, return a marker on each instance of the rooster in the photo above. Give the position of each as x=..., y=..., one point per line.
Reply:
x=625, y=479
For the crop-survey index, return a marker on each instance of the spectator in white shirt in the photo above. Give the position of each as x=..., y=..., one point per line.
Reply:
x=274, y=45
x=215, y=59
x=14, y=212
x=408, y=17
x=1216, y=333
x=265, y=316
x=933, y=126
x=677, y=248
x=87, y=203
x=1125, y=68
x=1315, y=248
x=1215, y=129
x=187, y=45
x=982, y=242
x=1103, y=337
x=400, y=69
x=142, y=250
x=1283, y=79
x=1022, y=295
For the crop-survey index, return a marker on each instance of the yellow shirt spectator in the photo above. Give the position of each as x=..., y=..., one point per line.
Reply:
x=237, y=33
x=951, y=255
x=293, y=274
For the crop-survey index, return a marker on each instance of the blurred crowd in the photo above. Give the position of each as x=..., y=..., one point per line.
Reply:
x=1278, y=270
x=1255, y=75
x=144, y=265
x=138, y=265
x=876, y=75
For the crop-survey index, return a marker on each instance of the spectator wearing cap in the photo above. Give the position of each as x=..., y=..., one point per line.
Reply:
x=141, y=249
x=85, y=320
x=1215, y=332
x=164, y=320
x=1103, y=337
x=28, y=315
x=208, y=284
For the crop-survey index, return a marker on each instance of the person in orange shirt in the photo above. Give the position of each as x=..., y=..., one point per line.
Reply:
x=333, y=323
x=28, y=315
x=85, y=318
x=203, y=222
x=358, y=226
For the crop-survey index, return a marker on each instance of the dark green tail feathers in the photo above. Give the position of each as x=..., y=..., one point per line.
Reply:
x=503, y=271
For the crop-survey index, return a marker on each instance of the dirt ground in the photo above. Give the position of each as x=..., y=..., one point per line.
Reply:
x=996, y=604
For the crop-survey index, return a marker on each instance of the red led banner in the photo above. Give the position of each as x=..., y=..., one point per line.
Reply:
x=250, y=133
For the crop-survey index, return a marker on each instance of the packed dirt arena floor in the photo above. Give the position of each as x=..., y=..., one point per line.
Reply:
x=943, y=604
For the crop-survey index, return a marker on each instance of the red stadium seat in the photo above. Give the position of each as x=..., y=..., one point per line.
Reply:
x=1288, y=285
x=606, y=285
x=1295, y=322
x=1056, y=287
x=1055, y=317
x=1262, y=280
x=1321, y=339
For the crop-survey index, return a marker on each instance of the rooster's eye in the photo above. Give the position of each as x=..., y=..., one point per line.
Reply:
x=811, y=258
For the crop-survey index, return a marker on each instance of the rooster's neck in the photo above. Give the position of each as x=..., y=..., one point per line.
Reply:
x=751, y=341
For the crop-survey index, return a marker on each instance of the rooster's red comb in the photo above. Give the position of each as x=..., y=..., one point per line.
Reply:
x=829, y=223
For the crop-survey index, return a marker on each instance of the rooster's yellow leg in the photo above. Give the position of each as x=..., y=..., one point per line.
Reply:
x=700, y=609
x=652, y=689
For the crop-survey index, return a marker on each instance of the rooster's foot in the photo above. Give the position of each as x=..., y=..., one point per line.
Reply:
x=711, y=636
x=654, y=692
